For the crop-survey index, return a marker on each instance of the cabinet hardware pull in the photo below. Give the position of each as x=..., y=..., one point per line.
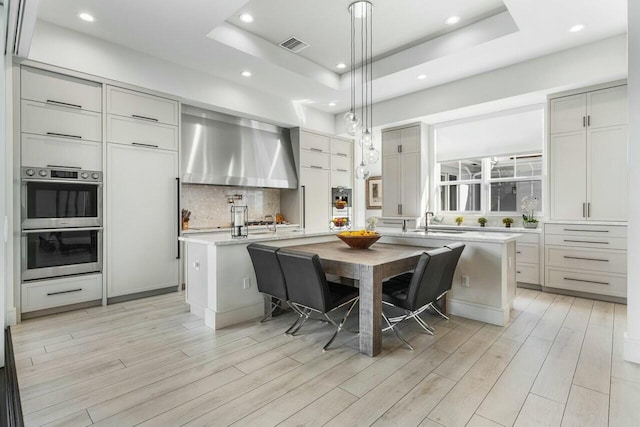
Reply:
x=584, y=122
x=586, y=231
x=64, y=292
x=586, y=241
x=342, y=170
x=586, y=259
x=304, y=206
x=584, y=210
x=64, y=167
x=399, y=149
x=589, y=210
x=63, y=104
x=315, y=167
x=586, y=281
x=63, y=135
x=140, y=144
x=342, y=155
x=316, y=150
x=518, y=252
x=519, y=272
x=589, y=120
x=151, y=119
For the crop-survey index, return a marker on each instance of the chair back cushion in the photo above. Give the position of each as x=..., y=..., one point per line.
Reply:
x=450, y=269
x=425, y=283
x=305, y=279
x=269, y=276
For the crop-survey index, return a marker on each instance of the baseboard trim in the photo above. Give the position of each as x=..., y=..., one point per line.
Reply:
x=617, y=300
x=631, y=349
x=139, y=295
x=481, y=312
x=12, y=408
x=61, y=309
x=531, y=286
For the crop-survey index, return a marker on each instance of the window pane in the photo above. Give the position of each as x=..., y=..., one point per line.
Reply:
x=449, y=171
x=470, y=169
x=529, y=165
x=449, y=197
x=469, y=197
x=502, y=167
x=507, y=196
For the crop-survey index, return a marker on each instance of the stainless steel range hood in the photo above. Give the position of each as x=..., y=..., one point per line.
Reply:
x=221, y=149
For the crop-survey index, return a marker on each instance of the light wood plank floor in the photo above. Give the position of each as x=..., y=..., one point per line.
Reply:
x=149, y=362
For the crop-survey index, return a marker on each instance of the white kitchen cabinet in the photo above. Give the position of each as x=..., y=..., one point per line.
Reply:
x=315, y=142
x=342, y=148
x=141, y=106
x=314, y=160
x=316, y=198
x=588, y=160
x=47, y=119
x=45, y=151
x=60, y=90
x=142, y=219
x=403, y=172
x=125, y=130
x=43, y=294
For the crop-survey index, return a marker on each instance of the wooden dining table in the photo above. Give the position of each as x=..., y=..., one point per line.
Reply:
x=369, y=267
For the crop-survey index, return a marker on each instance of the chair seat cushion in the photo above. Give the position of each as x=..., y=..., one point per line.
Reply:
x=341, y=293
x=395, y=292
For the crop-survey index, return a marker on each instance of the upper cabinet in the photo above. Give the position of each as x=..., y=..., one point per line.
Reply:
x=60, y=90
x=404, y=174
x=140, y=106
x=588, y=156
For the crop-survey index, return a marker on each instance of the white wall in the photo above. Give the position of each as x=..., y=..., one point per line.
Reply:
x=5, y=261
x=632, y=338
x=76, y=51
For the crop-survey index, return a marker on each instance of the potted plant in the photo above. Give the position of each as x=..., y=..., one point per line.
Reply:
x=482, y=221
x=459, y=220
x=528, y=206
x=507, y=222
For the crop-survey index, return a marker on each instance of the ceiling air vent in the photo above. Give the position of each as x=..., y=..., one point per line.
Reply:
x=294, y=45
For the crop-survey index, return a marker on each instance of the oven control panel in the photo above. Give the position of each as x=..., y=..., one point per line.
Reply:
x=66, y=174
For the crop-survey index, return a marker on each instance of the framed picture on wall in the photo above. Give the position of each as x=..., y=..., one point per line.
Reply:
x=374, y=192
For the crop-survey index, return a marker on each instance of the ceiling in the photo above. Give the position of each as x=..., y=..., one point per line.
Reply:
x=411, y=38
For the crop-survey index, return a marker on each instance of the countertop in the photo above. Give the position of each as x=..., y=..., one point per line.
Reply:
x=518, y=230
x=228, y=229
x=223, y=239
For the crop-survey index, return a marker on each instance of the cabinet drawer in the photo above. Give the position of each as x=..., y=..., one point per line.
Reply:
x=313, y=159
x=585, y=259
x=60, y=90
x=340, y=179
x=598, y=242
x=341, y=148
x=141, y=106
x=341, y=164
x=527, y=253
x=604, y=284
x=528, y=274
x=313, y=142
x=529, y=238
x=59, y=292
x=44, y=151
x=44, y=119
x=586, y=230
x=124, y=130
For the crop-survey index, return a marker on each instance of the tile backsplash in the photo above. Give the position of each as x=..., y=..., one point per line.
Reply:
x=209, y=206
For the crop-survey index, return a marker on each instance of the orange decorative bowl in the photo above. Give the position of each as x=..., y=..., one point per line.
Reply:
x=359, y=242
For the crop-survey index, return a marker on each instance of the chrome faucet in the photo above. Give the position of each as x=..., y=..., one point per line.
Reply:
x=426, y=221
x=274, y=223
x=404, y=225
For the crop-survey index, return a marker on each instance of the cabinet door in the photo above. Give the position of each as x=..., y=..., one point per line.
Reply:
x=391, y=197
x=125, y=130
x=410, y=139
x=57, y=89
x=341, y=148
x=316, y=198
x=410, y=184
x=313, y=142
x=568, y=170
x=142, y=219
x=568, y=114
x=607, y=107
x=45, y=151
x=607, y=173
x=141, y=106
x=391, y=141
x=48, y=119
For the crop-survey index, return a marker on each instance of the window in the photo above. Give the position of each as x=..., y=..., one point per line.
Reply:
x=460, y=186
x=502, y=181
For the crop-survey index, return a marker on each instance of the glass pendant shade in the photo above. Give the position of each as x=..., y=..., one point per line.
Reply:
x=361, y=171
x=351, y=122
x=372, y=155
x=367, y=138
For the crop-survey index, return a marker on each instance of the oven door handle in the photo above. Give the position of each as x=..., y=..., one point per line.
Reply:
x=62, y=230
x=63, y=181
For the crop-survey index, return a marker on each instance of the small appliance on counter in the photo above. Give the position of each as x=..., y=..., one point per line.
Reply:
x=341, y=208
x=239, y=221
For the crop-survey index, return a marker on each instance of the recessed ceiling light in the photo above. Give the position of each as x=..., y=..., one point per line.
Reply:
x=341, y=66
x=246, y=73
x=422, y=76
x=86, y=17
x=332, y=104
x=452, y=20
x=246, y=18
x=576, y=28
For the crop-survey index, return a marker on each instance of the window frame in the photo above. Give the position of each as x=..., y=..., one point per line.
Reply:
x=457, y=183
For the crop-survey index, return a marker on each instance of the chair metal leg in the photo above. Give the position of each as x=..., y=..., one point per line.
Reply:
x=339, y=327
x=268, y=315
x=300, y=316
x=307, y=313
x=392, y=327
x=435, y=307
x=423, y=324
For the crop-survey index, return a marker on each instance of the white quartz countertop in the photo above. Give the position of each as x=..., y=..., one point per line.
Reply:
x=228, y=229
x=222, y=239
x=518, y=230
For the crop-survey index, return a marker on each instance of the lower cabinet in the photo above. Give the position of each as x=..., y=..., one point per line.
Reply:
x=44, y=294
x=586, y=258
x=528, y=259
x=142, y=219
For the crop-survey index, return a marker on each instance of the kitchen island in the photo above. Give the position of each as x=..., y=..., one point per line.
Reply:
x=221, y=283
